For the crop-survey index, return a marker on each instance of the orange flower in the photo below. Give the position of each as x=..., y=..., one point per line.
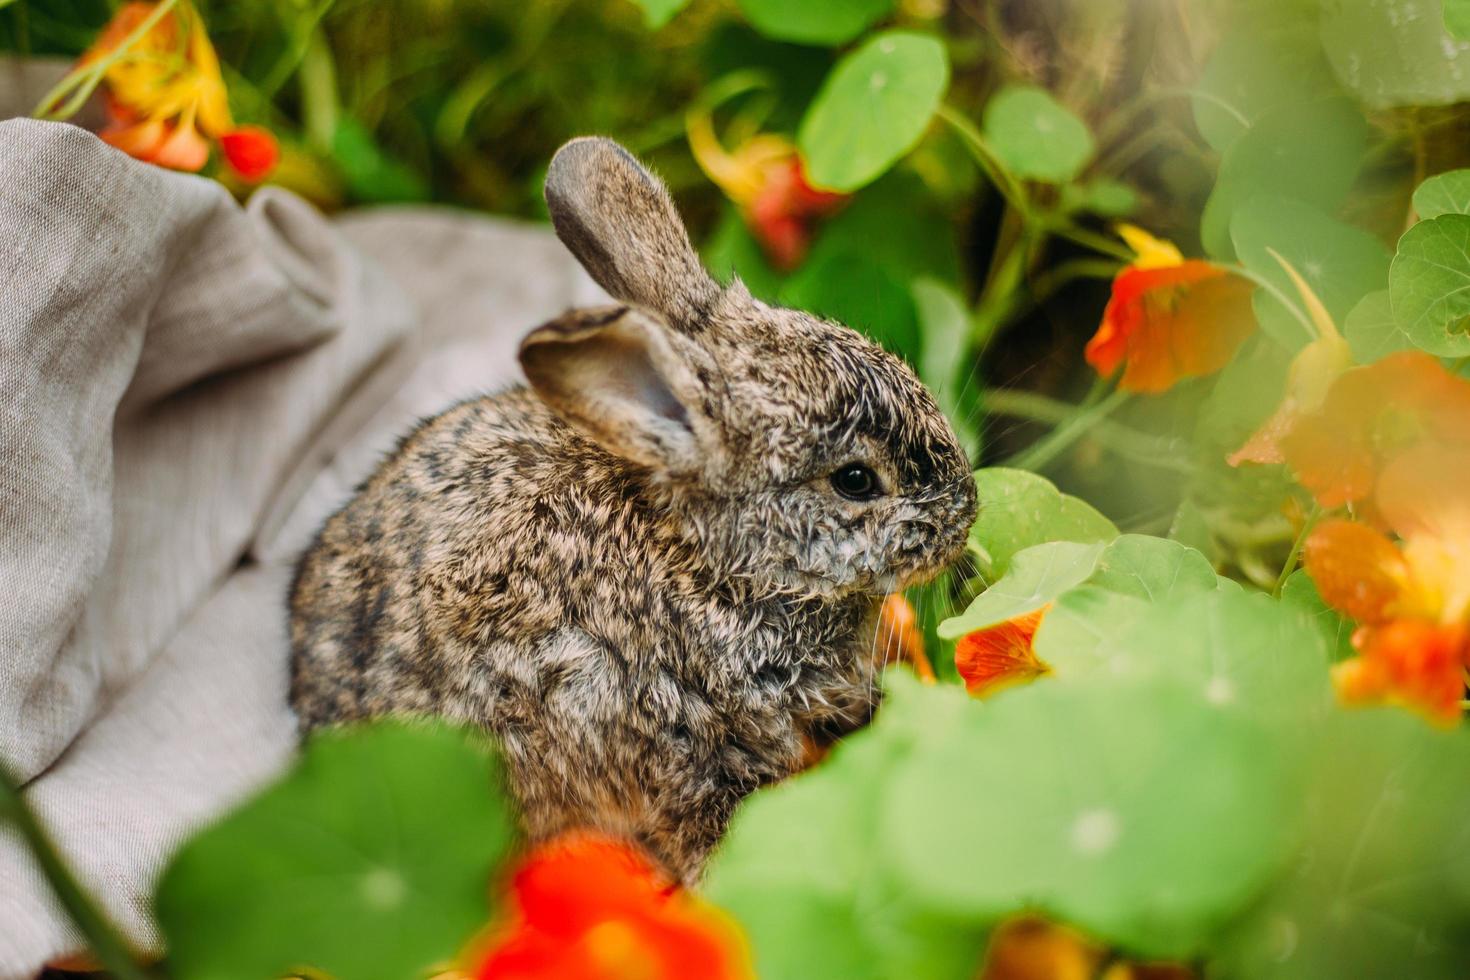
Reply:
x=899, y=639
x=587, y=907
x=1169, y=318
x=766, y=180
x=999, y=656
x=1411, y=601
x=1370, y=416
x=1034, y=949
x=166, y=97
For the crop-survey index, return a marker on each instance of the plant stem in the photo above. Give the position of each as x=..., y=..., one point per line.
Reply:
x=994, y=170
x=1296, y=549
x=1125, y=441
x=1088, y=415
x=110, y=948
x=85, y=79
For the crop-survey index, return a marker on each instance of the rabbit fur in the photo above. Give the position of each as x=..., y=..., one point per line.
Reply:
x=636, y=572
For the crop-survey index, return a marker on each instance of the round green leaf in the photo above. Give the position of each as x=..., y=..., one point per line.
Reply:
x=1429, y=285
x=1378, y=890
x=827, y=22
x=1035, y=136
x=1247, y=654
x=372, y=860
x=1306, y=151
x=1371, y=331
x=1130, y=809
x=1036, y=576
x=1341, y=263
x=1152, y=569
x=1394, y=53
x=1447, y=193
x=873, y=108
x=1255, y=68
x=1019, y=509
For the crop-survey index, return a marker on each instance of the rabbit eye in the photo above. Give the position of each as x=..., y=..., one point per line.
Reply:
x=856, y=482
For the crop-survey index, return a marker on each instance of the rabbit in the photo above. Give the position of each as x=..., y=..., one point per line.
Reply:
x=652, y=574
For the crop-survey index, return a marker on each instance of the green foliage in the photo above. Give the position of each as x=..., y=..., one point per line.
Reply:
x=1447, y=193
x=1036, y=576
x=1036, y=137
x=1372, y=331
x=1429, y=285
x=1388, y=54
x=815, y=21
x=1310, y=152
x=1020, y=509
x=1457, y=19
x=371, y=859
x=873, y=108
x=1339, y=262
x=660, y=12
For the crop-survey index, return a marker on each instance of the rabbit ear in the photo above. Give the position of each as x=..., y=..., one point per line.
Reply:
x=619, y=222
x=624, y=380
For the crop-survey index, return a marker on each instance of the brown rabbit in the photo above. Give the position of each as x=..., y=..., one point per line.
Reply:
x=653, y=573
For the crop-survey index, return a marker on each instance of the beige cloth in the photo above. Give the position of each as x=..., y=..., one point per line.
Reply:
x=187, y=388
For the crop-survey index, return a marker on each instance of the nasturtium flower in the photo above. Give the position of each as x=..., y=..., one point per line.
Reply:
x=165, y=96
x=1000, y=656
x=1169, y=318
x=766, y=179
x=899, y=639
x=1369, y=417
x=1411, y=600
x=589, y=907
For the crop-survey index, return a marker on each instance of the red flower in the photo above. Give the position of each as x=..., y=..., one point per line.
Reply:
x=1169, y=318
x=587, y=907
x=165, y=96
x=999, y=656
x=766, y=179
x=899, y=639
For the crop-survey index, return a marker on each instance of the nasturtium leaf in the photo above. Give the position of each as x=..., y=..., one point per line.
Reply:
x=1254, y=69
x=1429, y=285
x=1447, y=193
x=657, y=13
x=825, y=22
x=872, y=109
x=1371, y=331
x=1084, y=622
x=1247, y=654
x=796, y=868
x=1307, y=151
x=1190, y=529
x=1019, y=509
x=1036, y=576
x=1378, y=888
x=1457, y=19
x=373, y=859
x=1152, y=569
x=1340, y=263
x=1395, y=52
x=1300, y=591
x=1035, y=136
x=1127, y=808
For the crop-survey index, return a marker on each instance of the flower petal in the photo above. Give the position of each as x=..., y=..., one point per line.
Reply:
x=1001, y=655
x=1357, y=570
x=1168, y=323
x=1412, y=662
x=251, y=151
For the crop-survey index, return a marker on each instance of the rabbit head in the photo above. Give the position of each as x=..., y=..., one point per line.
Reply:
x=794, y=451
